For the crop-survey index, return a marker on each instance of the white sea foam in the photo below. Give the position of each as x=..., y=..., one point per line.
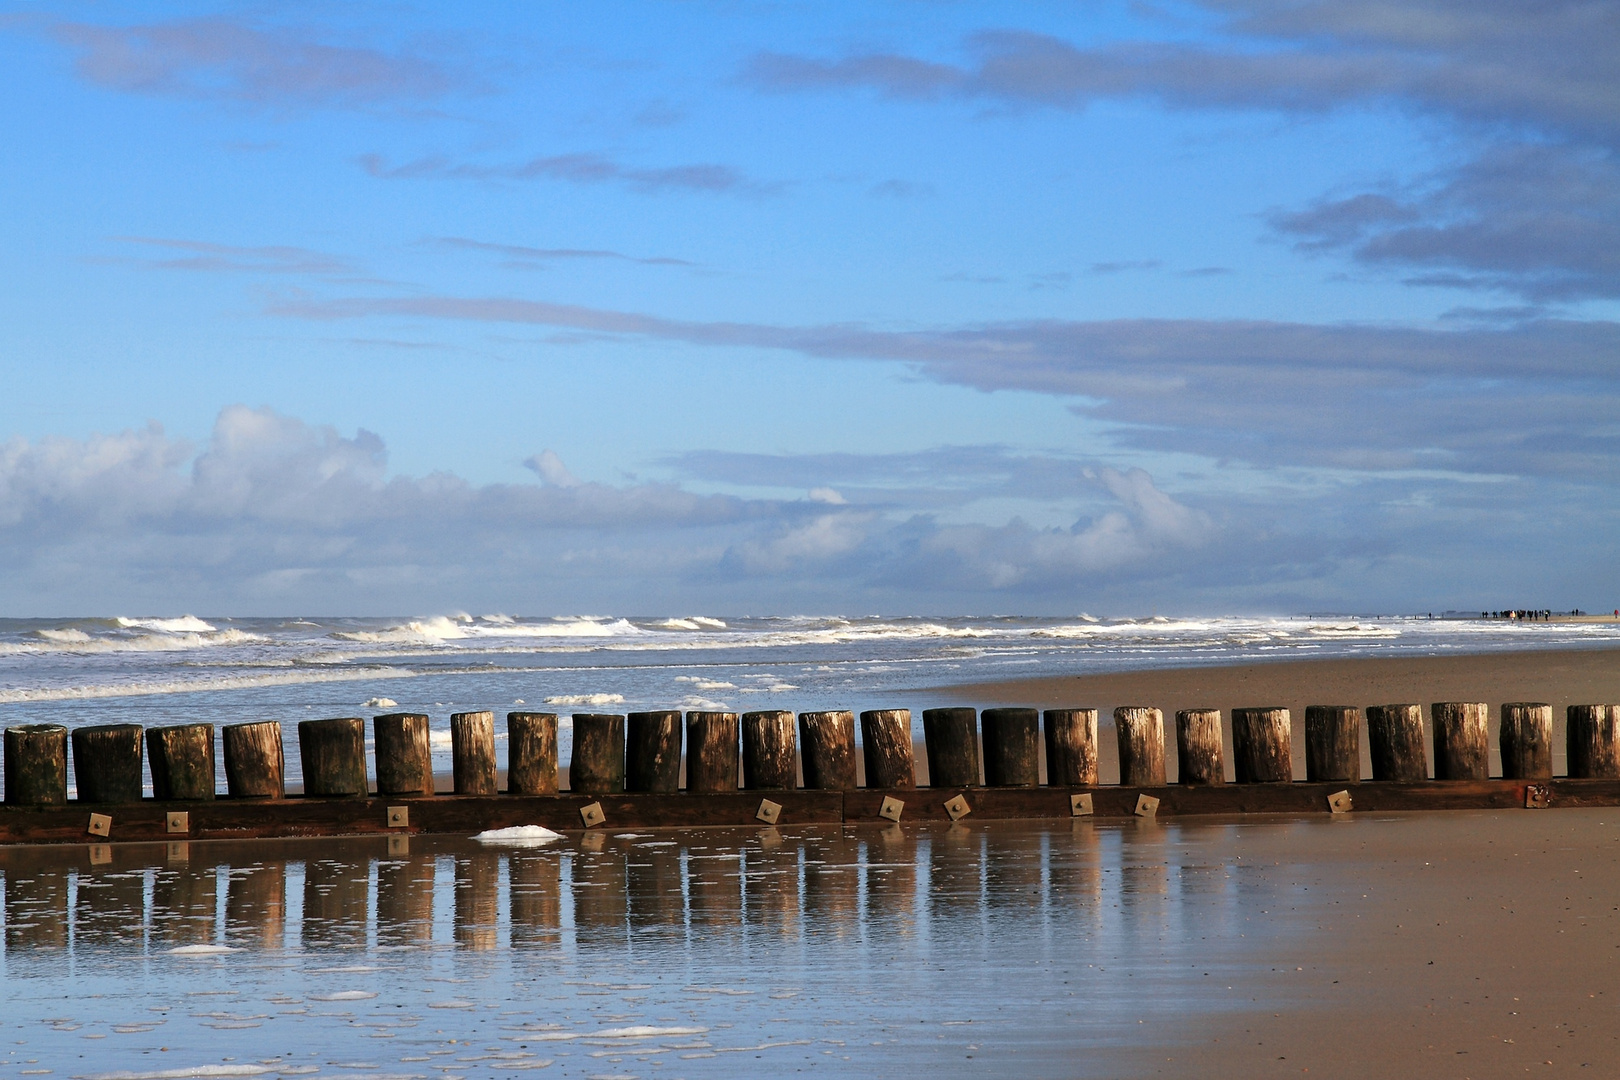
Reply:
x=186, y=624
x=519, y=836
x=380, y=703
x=198, y=1071
x=586, y=699
x=443, y=629
x=643, y=1031
x=188, y=686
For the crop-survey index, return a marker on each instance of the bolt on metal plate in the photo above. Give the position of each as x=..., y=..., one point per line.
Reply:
x=179, y=821
x=769, y=812
x=1339, y=802
x=1537, y=797
x=1146, y=806
x=891, y=809
x=399, y=817
x=100, y=825
x=100, y=854
x=1080, y=805
x=958, y=808
x=592, y=815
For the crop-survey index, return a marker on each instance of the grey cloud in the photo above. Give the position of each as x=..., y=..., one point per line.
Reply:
x=1539, y=220
x=220, y=58
x=207, y=257
x=521, y=253
x=274, y=510
x=1471, y=399
x=1122, y=267
x=1547, y=65
x=577, y=169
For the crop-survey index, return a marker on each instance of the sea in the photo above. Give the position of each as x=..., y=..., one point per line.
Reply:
x=192, y=669
x=1018, y=949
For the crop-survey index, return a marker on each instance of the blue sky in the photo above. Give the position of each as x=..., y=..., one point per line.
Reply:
x=1209, y=307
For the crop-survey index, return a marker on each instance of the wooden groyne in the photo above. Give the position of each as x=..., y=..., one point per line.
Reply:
x=744, y=770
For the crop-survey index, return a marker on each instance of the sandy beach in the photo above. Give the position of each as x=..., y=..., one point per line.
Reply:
x=1559, y=678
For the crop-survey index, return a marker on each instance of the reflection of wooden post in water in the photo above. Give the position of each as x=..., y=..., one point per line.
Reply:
x=107, y=763
x=1333, y=743
x=1262, y=750
x=37, y=908
x=255, y=766
x=110, y=904
x=886, y=745
x=771, y=884
x=1199, y=758
x=652, y=754
x=404, y=754
x=1141, y=745
x=832, y=882
x=1011, y=747
x=714, y=889
x=955, y=869
x=531, y=753
x=478, y=878
x=1526, y=741
x=36, y=765
x=1074, y=872
x=184, y=900
x=653, y=886
x=181, y=759
x=405, y=900
x=711, y=751
x=952, y=740
x=1071, y=747
x=256, y=905
x=597, y=764
x=1395, y=739
x=599, y=898
x=1462, y=749
x=472, y=752
x=334, y=903
x=1593, y=746
x=768, y=758
x=891, y=873
x=333, y=756
x=827, y=745
x=535, y=880
x=1012, y=870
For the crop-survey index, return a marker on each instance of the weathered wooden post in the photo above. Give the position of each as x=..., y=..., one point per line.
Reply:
x=1333, y=743
x=1262, y=745
x=1071, y=747
x=711, y=751
x=1011, y=747
x=597, y=764
x=254, y=765
x=531, y=753
x=652, y=755
x=1199, y=757
x=1462, y=749
x=1526, y=741
x=182, y=761
x=1141, y=745
x=827, y=746
x=107, y=763
x=472, y=752
x=36, y=765
x=951, y=737
x=404, y=754
x=1594, y=749
x=886, y=745
x=1395, y=738
x=332, y=756
x=767, y=742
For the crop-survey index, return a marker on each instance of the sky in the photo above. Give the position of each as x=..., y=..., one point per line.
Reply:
x=1236, y=306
